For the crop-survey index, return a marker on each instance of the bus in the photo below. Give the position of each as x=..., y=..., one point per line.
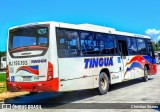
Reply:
x=3, y=63
x=59, y=57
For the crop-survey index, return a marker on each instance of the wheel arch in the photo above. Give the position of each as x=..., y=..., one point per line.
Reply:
x=147, y=66
x=106, y=70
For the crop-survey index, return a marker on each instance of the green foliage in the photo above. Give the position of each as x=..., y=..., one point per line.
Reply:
x=2, y=83
x=2, y=53
x=156, y=46
x=2, y=77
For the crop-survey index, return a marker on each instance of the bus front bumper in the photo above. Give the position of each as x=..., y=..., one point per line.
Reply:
x=44, y=86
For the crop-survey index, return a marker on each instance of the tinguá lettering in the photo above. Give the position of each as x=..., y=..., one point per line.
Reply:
x=98, y=62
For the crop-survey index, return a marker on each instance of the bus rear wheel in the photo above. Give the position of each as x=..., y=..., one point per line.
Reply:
x=146, y=73
x=103, y=83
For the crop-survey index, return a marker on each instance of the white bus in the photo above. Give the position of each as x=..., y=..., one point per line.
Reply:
x=3, y=63
x=53, y=56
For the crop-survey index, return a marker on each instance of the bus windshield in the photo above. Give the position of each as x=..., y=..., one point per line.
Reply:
x=28, y=38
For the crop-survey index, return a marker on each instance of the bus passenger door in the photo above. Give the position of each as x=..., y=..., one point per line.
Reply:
x=124, y=57
x=152, y=59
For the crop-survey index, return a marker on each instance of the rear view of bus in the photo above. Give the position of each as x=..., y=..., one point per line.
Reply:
x=28, y=65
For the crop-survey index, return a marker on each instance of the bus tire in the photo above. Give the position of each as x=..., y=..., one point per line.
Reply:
x=103, y=83
x=145, y=77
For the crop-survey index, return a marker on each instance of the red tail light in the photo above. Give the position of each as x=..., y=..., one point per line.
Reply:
x=50, y=71
x=7, y=73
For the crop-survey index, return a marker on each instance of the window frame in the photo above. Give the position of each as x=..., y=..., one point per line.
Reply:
x=114, y=43
x=137, y=53
x=58, y=44
x=94, y=35
x=10, y=43
x=145, y=46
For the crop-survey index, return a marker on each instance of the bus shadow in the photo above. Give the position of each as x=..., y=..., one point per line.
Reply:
x=63, y=100
x=127, y=83
x=51, y=99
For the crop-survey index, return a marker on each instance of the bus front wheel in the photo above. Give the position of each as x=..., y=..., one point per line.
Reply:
x=145, y=77
x=103, y=83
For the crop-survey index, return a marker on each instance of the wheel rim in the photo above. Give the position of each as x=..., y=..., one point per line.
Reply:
x=103, y=83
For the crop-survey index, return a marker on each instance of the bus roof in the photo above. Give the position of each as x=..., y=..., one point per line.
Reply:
x=87, y=27
x=132, y=34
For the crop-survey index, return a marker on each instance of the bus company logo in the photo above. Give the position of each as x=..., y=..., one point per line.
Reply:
x=6, y=106
x=39, y=61
x=98, y=62
x=30, y=69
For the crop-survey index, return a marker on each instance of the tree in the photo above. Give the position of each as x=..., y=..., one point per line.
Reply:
x=3, y=53
x=154, y=46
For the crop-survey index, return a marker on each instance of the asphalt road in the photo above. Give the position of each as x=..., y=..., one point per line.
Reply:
x=134, y=91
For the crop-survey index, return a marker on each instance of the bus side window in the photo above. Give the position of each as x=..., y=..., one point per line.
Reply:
x=150, y=51
x=106, y=43
x=89, y=43
x=68, y=43
x=132, y=46
x=115, y=45
x=141, y=46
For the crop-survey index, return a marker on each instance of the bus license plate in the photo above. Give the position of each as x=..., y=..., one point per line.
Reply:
x=27, y=78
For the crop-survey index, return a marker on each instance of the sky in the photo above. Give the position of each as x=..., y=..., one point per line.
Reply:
x=135, y=16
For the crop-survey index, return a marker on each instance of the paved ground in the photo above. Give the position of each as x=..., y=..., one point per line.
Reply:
x=134, y=91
